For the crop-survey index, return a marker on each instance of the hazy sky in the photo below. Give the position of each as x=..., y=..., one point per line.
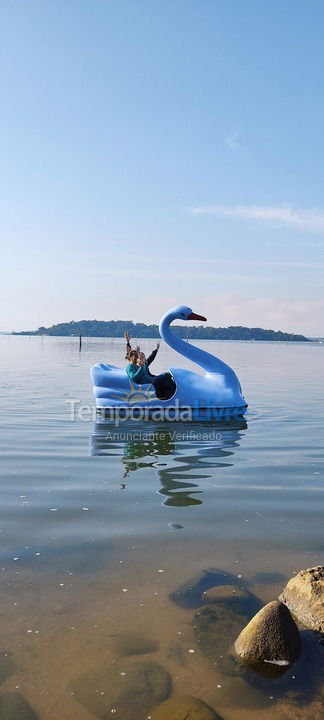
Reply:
x=158, y=152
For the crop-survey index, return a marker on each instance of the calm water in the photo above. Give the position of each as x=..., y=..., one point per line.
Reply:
x=107, y=544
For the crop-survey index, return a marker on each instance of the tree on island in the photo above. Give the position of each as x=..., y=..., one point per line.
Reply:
x=117, y=328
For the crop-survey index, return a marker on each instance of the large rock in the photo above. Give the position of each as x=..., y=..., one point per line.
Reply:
x=271, y=638
x=304, y=596
x=184, y=707
x=126, y=690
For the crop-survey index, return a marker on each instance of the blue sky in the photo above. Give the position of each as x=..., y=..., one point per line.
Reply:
x=157, y=153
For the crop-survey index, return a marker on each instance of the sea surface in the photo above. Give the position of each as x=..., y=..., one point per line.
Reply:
x=109, y=542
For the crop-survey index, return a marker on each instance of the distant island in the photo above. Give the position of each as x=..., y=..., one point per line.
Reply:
x=117, y=328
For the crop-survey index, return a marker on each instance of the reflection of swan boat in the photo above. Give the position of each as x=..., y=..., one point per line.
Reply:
x=217, y=390
x=182, y=456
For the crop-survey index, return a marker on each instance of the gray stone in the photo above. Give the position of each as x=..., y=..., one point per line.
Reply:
x=304, y=596
x=14, y=707
x=271, y=638
x=184, y=707
x=131, y=688
x=137, y=644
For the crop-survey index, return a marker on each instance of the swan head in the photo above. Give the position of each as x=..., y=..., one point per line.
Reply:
x=182, y=312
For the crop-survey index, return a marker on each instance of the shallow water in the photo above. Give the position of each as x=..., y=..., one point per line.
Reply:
x=106, y=536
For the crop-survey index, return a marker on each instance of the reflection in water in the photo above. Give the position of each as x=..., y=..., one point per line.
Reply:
x=193, y=449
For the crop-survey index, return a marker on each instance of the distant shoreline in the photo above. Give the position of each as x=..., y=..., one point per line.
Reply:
x=117, y=328
x=309, y=341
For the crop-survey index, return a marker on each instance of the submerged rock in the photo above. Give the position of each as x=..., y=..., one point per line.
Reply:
x=189, y=595
x=216, y=627
x=270, y=641
x=192, y=594
x=184, y=707
x=126, y=690
x=136, y=644
x=234, y=597
x=304, y=596
x=14, y=707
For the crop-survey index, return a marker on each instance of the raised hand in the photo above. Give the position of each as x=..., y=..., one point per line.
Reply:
x=127, y=337
x=158, y=345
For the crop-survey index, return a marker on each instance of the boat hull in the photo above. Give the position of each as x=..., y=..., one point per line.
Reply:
x=208, y=396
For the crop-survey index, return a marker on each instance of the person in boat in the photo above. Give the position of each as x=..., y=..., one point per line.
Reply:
x=138, y=372
x=148, y=360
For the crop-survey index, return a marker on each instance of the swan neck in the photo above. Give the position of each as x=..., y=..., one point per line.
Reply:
x=205, y=360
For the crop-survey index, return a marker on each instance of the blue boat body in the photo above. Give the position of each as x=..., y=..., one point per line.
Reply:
x=218, y=389
x=113, y=389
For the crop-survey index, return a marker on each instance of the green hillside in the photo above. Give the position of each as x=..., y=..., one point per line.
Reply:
x=117, y=328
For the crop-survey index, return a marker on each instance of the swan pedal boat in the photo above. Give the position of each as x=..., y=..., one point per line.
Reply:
x=217, y=391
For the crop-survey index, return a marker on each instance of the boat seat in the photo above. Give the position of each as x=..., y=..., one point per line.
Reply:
x=165, y=388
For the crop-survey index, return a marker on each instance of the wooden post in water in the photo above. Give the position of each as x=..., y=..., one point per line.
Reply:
x=80, y=342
